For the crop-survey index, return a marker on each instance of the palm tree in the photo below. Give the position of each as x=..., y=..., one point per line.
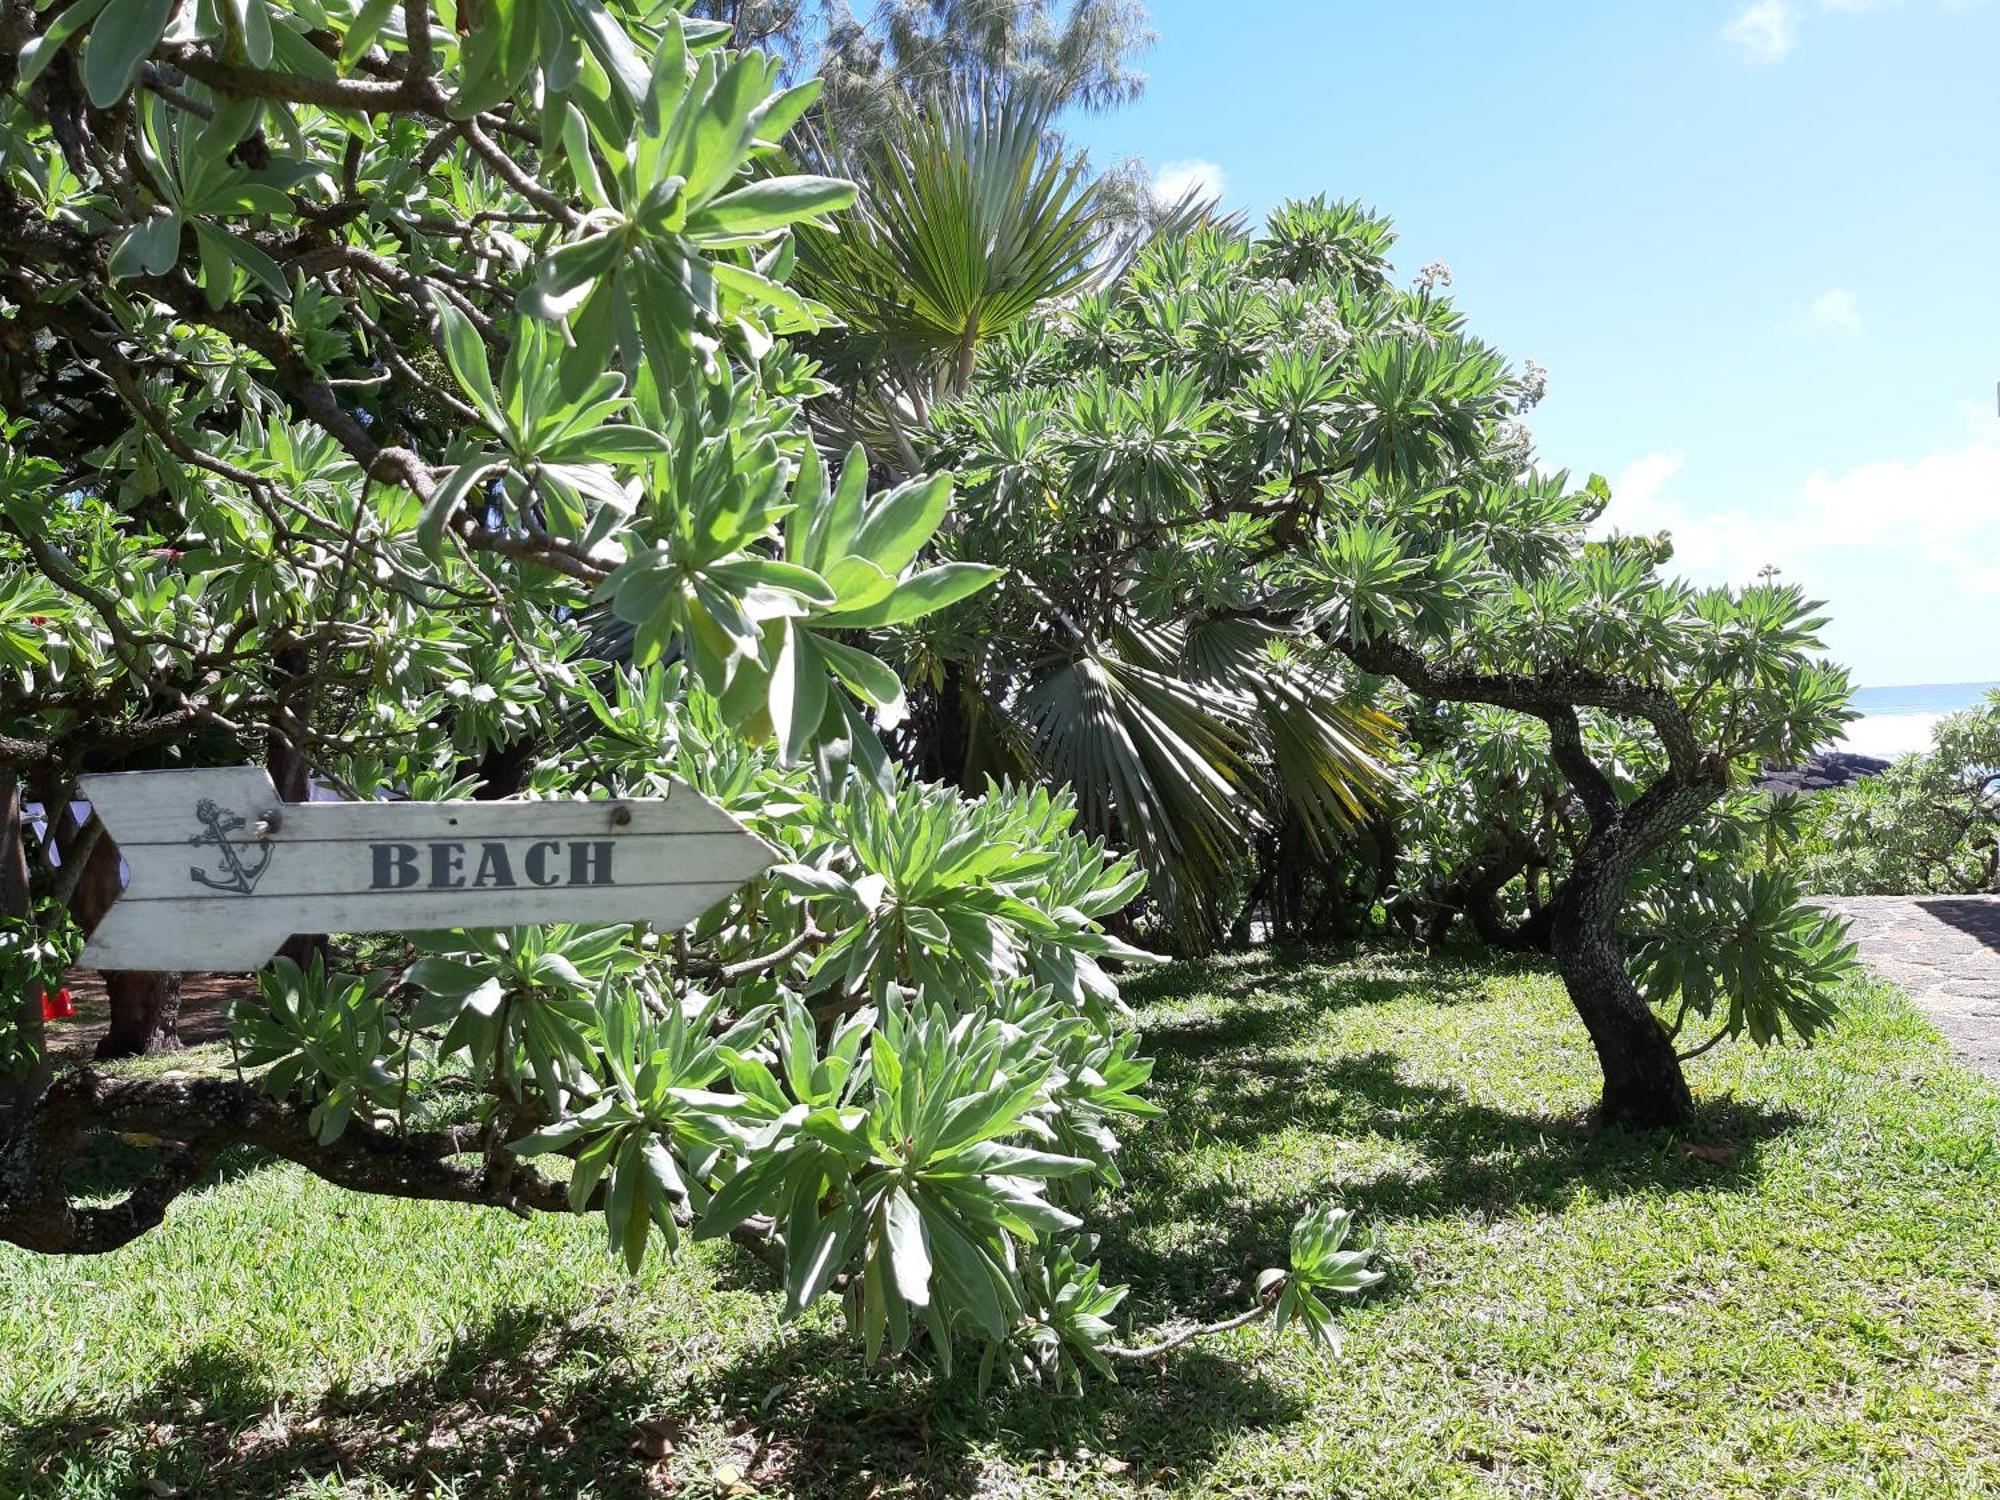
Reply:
x=1184, y=736
x=1186, y=741
x=972, y=215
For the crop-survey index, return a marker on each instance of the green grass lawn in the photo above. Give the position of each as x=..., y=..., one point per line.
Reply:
x=1810, y=1308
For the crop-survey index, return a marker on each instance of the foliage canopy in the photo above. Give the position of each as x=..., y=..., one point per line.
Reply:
x=404, y=392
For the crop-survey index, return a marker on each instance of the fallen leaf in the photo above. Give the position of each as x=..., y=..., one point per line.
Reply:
x=655, y=1437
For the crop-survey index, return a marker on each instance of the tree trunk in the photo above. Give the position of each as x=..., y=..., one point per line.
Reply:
x=145, y=1006
x=1644, y=1088
x=291, y=774
x=22, y=1082
x=145, y=1014
x=13, y=848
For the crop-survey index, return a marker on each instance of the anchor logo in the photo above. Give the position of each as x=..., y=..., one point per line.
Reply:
x=236, y=876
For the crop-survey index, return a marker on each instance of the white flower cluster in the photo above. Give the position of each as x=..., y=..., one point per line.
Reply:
x=1321, y=330
x=1532, y=386
x=1436, y=274
x=1511, y=446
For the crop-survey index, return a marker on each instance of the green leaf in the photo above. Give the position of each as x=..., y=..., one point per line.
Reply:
x=769, y=573
x=259, y=265
x=444, y=500
x=566, y=277
x=800, y=676
x=909, y=1248
x=871, y=678
x=38, y=53
x=465, y=352
x=775, y=117
x=253, y=24
x=813, y=1253
x=774, y=203
x=361, y=35
x=125, y=33
x=831, y=536
x=148, y=249
x=857, y=585
x=934, y=589
x=761, y=291
x=902, y=521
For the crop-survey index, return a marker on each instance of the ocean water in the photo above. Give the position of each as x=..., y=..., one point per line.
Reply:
x=1897, y=720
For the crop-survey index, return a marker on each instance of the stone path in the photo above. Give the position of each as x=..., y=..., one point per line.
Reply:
x=1944, y=953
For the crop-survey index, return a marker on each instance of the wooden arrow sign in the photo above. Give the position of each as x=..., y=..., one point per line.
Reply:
x=221, y=871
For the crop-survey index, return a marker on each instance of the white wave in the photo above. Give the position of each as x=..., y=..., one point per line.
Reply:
x=1889, y=735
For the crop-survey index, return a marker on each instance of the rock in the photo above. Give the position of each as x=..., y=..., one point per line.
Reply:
x=1829, y=768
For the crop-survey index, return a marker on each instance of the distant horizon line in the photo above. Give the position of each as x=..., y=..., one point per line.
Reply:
x=1875, y=687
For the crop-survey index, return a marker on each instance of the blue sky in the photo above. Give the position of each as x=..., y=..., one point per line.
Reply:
x=1755, y=242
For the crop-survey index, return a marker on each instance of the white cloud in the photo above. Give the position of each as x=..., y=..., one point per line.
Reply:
x=1173, y=181
x=1946, y=505
x=1640, y=489
x=1835, y=309
x=1939, y=514
x=1764, y=30
x=1905, y=552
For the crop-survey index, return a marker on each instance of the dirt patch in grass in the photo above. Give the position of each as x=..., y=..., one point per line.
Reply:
x=202, y=999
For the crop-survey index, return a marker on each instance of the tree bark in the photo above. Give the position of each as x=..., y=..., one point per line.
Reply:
x=22, y=1084
x=13, y=848
x=145, y=1005
x=145, y=1014
x=291, y=774
x=1644, y=1088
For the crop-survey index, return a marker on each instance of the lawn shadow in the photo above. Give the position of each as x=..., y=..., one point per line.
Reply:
x=107, y=1167
x=810, y=1420
x=475, y=1416
x=799, y=1414
x=1300, y=969
x=1226, y=1077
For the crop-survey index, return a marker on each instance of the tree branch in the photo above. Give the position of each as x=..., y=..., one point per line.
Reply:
x=193, y=1119
x=1170, y=1342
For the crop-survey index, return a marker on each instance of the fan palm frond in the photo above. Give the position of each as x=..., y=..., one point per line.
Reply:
x=973, y=216
x=1156, y=764
x=1330, y=753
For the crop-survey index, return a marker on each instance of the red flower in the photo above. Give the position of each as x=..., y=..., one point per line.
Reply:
x=59, y=1007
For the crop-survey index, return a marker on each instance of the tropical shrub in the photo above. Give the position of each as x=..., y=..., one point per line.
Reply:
x=408, y=403
x=1248, y=484
x=1929, y=825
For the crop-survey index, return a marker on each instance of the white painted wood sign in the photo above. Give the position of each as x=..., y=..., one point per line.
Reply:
x=221, y=871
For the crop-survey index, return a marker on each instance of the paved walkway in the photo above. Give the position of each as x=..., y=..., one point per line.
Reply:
x=1944, y=952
